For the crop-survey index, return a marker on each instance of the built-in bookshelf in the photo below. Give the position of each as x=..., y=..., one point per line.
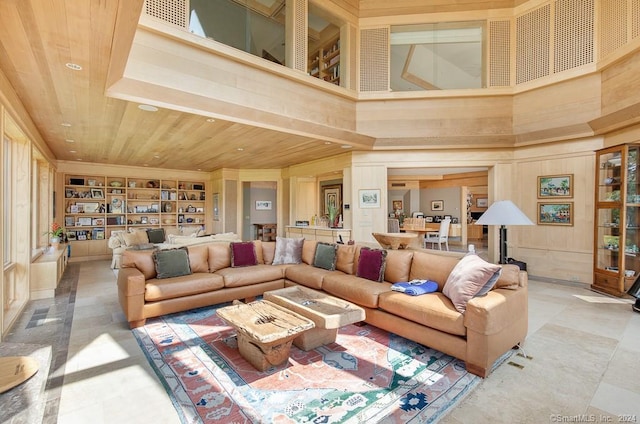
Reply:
x=95, y=206
x=324, y=62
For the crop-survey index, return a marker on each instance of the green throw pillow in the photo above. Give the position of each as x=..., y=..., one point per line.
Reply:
x=171, y=263
x=325, y=256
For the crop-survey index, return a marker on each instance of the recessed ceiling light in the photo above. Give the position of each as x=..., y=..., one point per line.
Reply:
x=346, y=146
x=148, y=108
x=68, y=140
x=156, y=156
x=327, y=142
x=79, y=159
x=65, y=124
x=211, y=120
x=73, y=151
x=73, y=66
x=146, y=164
x=199, y=169
x=239, y=149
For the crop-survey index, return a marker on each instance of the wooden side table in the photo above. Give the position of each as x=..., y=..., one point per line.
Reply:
x=266, y=232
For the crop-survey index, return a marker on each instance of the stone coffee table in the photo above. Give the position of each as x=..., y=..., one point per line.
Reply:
x=265, y=331
x=327, y=312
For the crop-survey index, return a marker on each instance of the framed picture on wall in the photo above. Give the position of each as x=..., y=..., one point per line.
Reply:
x=369, y=198
x=555, y=186
x=263, y=205
x=437, y=205
x=331, y=195
x=482, y=202
x=397, y=205
x=555, y=213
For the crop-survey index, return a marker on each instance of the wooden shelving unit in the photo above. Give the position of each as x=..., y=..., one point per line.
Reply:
x=617, y=219
x=324, y=63
x=95, y=206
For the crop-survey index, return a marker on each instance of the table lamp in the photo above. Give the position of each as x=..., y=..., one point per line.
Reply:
x=502, y=213
x=634, y=291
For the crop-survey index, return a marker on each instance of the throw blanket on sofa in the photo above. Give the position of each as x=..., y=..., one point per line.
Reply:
x=416, y=287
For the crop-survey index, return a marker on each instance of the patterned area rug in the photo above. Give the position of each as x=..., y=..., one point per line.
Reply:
x=367, y=375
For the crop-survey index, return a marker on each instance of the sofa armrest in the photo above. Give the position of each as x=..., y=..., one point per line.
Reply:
x=523, y=278
x=131, y=288
x=496, y=311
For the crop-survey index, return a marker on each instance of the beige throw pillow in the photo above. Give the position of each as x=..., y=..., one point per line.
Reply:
x=467, y=278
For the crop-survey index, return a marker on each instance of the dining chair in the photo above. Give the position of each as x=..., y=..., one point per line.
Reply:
x=440, y=236
x=393, y=225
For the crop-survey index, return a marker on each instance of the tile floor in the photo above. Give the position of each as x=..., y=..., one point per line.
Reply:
x=582, y=366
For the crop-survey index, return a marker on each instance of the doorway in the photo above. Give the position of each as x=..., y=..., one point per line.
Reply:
x=259, y=206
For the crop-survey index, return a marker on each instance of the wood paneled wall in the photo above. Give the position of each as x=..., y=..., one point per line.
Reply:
x=459, y=121
x=558, y=111
x=372, y=8
x=199, y=82
x=556, y=252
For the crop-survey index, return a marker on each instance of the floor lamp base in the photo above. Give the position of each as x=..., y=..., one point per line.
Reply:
x=503, y=244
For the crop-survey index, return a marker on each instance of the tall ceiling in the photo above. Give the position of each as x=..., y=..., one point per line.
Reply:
x=40, y=41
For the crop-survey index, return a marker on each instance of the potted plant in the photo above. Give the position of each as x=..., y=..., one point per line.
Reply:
x=55, y=234
x=333, y=214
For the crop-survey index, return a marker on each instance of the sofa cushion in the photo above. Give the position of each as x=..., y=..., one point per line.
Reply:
x=117, y=239
x=219, y=255
x=398, y=265
x=135, y=237
x=509, y=278
x=431, y=266
x=345, y=258
x=467, y=278
x=434, y=310
x=309, y=251
x=170, y=288
x=371, y=264
x=288, y=251
x=171, y=263
x=140, y=259
x=307, y=275
x=155, y=235
x=257, y=244
x=243, y=254
x=142, y=246
x=354, y=289
x=243, y=276
x=325, y=256
x=198, y=258
x=192, y=231
x=268, y=252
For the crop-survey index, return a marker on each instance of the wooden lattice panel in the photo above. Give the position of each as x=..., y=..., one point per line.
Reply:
x=573, y=34
x=635, y=18
x=613, y=25
x=300, y=34
x=499, y=53
x=374, y=59
x=532, y=44
x=171, y=11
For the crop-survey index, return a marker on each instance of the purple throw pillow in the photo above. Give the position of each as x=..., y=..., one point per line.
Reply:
x=371, y=264
x=243, y=254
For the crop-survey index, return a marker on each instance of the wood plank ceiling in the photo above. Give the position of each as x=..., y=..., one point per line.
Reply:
x=78, y=122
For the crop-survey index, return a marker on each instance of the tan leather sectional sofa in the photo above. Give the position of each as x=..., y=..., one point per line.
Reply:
x=491, y=325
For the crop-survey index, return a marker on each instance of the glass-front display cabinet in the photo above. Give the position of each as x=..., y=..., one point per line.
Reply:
x=617, y=219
